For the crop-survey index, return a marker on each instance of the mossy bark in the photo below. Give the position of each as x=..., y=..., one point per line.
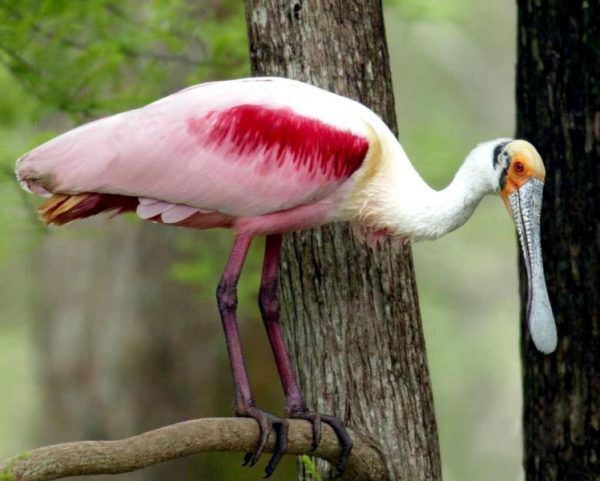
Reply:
x=350, y=313
x=558, y=103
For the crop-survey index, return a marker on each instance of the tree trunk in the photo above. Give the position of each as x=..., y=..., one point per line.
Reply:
x=350, y=312
x=558, y=101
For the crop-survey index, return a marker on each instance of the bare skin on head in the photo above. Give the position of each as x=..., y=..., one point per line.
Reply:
x=525, y=163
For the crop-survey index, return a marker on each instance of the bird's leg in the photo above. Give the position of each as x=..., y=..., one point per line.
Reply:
x=244, y=402
x=295, y=407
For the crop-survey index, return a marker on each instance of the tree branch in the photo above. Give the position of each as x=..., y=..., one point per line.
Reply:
x=180, y=440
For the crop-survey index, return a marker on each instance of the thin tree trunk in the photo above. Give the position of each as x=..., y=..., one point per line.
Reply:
x=350, y=313
x=558, y=101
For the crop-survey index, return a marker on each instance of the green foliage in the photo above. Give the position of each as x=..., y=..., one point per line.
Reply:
x=6, y=474
x=62, y=63
x=310, y=467
x=228, y=42
x=16, y=135
x=101, y=56
x=202, y=269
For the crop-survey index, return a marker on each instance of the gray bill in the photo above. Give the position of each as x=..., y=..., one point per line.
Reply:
x=526, y=206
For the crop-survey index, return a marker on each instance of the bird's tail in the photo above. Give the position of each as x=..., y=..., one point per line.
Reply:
x=63, y=208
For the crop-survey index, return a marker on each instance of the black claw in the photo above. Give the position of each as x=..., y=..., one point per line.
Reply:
x=247, y=458
x=281, y=430
x=340, y=431
x=266, y=423
x=264, y=435
x=344, y=439
x=256, y=457
x=316, y=431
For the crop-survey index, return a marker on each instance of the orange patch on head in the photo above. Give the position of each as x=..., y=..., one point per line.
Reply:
x=525, y=163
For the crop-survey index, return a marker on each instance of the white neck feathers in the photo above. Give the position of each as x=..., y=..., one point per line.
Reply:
x=398, y=200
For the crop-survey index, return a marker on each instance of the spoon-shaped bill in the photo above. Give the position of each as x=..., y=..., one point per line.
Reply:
x=526, y=206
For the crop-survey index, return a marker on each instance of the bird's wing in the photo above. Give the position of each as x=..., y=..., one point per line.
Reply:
x=242, y=148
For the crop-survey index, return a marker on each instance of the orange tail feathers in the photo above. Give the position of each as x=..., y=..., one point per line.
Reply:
x=63, y=208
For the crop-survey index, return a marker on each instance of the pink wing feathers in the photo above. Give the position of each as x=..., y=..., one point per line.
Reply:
x=242, y=148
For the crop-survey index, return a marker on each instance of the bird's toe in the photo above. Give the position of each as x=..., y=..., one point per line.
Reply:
x=338, y=427
x=315, y=420
x=266, y=423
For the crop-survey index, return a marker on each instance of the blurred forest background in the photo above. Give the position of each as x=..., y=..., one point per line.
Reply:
x=150, y=351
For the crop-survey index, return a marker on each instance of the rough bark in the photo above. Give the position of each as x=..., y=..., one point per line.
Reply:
x=350, y=313
x=558, y=102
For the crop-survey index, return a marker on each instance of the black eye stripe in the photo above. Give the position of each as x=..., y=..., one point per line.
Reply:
x=503, y=175
x=497, y=151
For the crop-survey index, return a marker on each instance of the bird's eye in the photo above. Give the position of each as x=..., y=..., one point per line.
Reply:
x=519, y=167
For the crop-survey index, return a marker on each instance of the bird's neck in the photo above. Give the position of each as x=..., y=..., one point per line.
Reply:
x=409, y=208
x=440, y=212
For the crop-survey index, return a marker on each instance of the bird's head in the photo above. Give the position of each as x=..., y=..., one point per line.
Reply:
x=519, y=173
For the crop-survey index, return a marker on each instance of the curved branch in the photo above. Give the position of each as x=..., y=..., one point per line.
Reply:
x=180, y=440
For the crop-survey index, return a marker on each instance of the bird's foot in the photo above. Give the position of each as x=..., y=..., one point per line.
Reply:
x=338, y=427
x=266, y=423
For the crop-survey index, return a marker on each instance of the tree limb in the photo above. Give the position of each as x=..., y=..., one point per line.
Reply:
x=180, y=440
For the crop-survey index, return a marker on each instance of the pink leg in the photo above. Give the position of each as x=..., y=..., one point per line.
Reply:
x=269, y=307
x=244, y=402
x=227, y=301
x=295, y=406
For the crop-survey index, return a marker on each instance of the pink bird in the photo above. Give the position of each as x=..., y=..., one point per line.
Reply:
x=266, y=156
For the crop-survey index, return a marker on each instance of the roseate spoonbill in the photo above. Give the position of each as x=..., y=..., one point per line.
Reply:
x=268, y=156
